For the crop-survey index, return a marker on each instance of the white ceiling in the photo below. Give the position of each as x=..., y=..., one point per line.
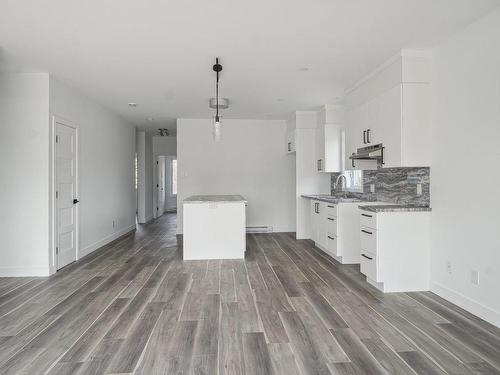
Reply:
x=159, y=53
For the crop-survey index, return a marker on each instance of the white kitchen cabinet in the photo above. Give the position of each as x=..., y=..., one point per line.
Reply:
x=329, y=139
x=335, y=229
x=290, y=142
x=391, y=107
x=318, y=223
x=394, y=249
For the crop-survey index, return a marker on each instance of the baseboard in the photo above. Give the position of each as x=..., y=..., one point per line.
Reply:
x=104, y=241
x=474, y=307
x=25, y=272
x=147, y=220
x=283, y=229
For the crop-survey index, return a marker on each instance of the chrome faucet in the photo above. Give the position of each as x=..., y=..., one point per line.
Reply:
x=337, y=182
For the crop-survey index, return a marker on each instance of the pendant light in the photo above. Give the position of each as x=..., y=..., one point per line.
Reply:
x=217, y=119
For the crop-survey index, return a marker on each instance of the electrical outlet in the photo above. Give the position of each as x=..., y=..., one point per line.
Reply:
x=419, y=189
x=372, y=188
x=448, y=267
x=474, y=277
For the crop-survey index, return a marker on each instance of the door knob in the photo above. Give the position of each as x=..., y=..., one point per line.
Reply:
x=75, y=201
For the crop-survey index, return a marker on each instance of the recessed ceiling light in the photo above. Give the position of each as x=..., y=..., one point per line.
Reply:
x=132, y=105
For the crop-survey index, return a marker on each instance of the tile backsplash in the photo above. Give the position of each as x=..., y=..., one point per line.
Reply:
x=394, y=185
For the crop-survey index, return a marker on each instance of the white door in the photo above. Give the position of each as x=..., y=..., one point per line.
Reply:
x=66, y=194
x=161, y=185
x=170, y=183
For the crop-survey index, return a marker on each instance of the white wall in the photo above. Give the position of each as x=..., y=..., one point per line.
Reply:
x=250, y=160
x=464, y=174
x=144, y=146
x=166, y=146
x=106, y=166
x=24, y=174
x=106, y=159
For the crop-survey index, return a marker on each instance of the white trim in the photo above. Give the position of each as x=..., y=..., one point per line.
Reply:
x=25, y=272
x=104, y=241
x=474, y=307
x=52, y=189
x=282, y=229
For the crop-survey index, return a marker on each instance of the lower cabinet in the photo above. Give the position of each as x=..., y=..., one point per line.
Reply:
x=318, y=218
x=332, y=243
x=368, y=265
x=335, y=229
x=394, y=250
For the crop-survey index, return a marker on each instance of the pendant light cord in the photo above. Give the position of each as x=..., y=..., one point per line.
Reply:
x=217, y=93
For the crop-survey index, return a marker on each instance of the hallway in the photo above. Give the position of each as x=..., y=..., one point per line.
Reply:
x=136, y=307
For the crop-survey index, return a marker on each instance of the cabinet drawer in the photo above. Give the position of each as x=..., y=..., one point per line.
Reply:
x=331, y=225
x=332, y=245
x=368, y=219
x=331, y=209
x=369, y=265
x=368, y=238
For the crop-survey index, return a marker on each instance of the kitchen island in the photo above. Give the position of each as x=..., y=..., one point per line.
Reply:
x=214, y=227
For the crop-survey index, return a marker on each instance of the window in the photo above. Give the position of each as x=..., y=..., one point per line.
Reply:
x=354, y=180
x=174, y=177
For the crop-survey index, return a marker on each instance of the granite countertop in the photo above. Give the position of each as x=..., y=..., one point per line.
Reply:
x=332, y=198
x=394, y=208
x=215, y=199
x=386, y=207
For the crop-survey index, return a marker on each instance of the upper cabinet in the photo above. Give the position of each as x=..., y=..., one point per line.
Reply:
x=391, y=106
x=330, y=122
x=290, y=141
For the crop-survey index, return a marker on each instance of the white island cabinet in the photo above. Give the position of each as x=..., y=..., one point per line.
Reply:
x=214, y=227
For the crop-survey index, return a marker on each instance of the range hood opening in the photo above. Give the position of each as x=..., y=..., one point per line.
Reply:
x=375, y=152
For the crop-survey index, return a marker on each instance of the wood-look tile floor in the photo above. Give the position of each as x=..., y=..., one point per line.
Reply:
x=136, y=307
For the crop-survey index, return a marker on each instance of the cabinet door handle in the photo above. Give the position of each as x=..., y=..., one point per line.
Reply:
x=368, y=136
x=365, y=215
x=366, y=256
x=289, y=146
x=318, y=207
x=331, y=219
x=332, y=238
x=365, y=231
x=331, y=206
x=364, y=137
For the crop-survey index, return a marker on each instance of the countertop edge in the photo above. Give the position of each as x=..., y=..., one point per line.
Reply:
x=394, y=208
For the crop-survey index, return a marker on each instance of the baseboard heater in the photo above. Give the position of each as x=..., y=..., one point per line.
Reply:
x=260, y=229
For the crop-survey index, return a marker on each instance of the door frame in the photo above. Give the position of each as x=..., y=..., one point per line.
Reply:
x=52, y=191
x=168, y=159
